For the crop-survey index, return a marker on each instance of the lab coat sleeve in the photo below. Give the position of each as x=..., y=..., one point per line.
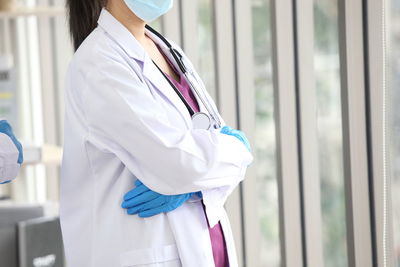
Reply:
x=8, y=159
x=125, y=119
x=214, y=199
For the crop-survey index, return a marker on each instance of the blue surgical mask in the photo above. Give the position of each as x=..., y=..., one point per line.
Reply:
x=149, y=10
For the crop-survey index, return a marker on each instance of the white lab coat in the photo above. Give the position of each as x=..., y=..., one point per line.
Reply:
x=8, y=159
x=125, y=122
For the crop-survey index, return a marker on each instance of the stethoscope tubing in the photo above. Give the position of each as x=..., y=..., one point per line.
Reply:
x=203, y=98
x=188, y=106
x=178, y=59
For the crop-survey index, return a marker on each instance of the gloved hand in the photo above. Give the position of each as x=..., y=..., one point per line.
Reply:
x=148, y=203
x=6, y=129
x=238, y=134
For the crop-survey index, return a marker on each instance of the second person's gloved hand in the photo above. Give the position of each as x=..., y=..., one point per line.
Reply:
x=6, y=129
x=238, y=134
x=145, y=202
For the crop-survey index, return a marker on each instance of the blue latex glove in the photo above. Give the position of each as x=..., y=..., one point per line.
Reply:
x=238, y=134
x=6, y=129
x=145, y=202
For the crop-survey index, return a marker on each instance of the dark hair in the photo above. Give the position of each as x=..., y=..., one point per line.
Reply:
x=82, y=17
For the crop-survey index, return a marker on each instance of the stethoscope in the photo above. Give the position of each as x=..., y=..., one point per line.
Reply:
x=200, y=120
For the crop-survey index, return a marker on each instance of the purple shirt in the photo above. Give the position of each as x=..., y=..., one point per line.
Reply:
x=216, y=234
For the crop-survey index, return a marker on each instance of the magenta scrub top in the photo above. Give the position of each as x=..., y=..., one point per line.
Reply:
x=216, y=234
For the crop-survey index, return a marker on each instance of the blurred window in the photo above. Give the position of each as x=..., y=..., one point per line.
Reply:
x=393, y=97
x=206, y=57
x=157, y=24
x=327, y=73
x=265, y=143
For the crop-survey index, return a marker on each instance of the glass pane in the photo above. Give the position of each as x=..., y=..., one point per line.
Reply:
x=264, y=146
x=206, y=63
x=327, y=71
x=157, y=24
x=394, y=120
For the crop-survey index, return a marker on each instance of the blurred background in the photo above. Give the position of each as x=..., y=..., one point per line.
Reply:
x=302, y=78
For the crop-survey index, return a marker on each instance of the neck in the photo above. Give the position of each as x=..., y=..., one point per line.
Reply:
x=127, y=18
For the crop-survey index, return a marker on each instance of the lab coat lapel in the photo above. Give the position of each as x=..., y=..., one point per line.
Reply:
x=157, y=79
x=135, y=50
x=167, y=53
x=121, y=36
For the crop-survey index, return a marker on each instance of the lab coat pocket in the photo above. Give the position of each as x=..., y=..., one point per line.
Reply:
x=166, y=256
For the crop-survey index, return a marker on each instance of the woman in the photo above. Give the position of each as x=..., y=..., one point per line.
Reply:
x=128, y=126
x=11, y=155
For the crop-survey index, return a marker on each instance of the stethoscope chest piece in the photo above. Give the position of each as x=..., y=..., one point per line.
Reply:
x=201, y=120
